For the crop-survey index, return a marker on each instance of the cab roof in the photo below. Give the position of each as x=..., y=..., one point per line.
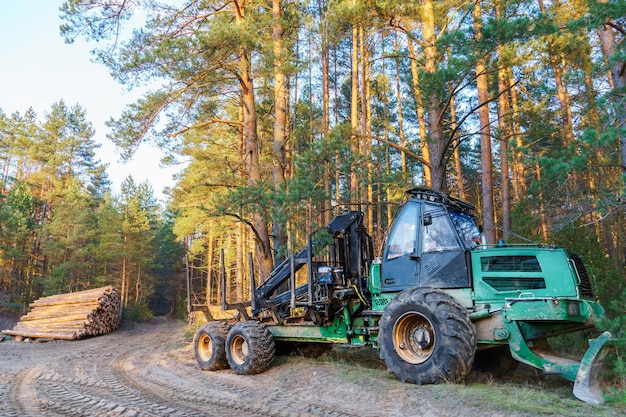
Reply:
x=427, y=194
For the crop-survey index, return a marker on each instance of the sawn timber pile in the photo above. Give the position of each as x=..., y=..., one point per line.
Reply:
x=71, y=316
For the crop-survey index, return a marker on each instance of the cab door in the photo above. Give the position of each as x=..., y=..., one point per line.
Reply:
x=444, y=259
x=401, y=262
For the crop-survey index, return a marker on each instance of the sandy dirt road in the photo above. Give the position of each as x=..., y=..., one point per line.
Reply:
x=149, y=370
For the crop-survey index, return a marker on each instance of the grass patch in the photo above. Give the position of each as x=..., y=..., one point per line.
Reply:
x=526, y=392
x=173, y=345
x=534, y=400
x=189, y=334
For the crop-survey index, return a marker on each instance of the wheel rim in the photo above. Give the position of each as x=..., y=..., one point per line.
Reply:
x=239, y=350
x=205, y=348
x=414, y=338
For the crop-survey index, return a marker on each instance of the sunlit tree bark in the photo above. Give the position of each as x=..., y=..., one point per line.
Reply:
x=280, y=118
x=354, y=111
x=504, y=123
x=486, y=175
x=435, y=138
x=399, y=105
x=251, y=141
x=617, y=67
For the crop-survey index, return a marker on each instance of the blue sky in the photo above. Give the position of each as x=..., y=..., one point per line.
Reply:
x=38, y=69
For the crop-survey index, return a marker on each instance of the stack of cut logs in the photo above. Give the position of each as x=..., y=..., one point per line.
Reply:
x=71, y=316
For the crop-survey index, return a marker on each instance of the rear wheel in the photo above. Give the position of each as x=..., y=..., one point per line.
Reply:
x=426, y=337
x=209, y=346
x=250, y=348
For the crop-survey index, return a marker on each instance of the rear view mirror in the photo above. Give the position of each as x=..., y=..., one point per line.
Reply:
x=428, y=219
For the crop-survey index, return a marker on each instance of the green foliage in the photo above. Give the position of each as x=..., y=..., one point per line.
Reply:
x=609, y=283
x=168, y=282
x=61, y=229
x=136, y=122
x=312, y=165
x=137, y=312
x=614, y=371
x=17, y=213
x=71, y=241
x=601, y=11
x=241, y=201
x=610, y=289
x=18, y=224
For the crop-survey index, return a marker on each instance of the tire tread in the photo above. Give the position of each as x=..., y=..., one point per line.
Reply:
x=453, y=356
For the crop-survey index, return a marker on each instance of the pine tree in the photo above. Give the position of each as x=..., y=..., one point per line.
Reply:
x=70, y=236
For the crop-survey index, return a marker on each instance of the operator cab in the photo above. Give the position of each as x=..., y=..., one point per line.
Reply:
x=429, y=243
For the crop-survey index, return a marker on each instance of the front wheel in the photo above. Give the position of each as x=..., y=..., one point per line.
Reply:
x=209, y=345
x=426, y=337
x=250, y=348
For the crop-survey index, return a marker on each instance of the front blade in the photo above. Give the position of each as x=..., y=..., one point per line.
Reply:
x=587, y=387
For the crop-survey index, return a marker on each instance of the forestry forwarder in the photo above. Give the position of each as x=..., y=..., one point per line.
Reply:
x=431, y=302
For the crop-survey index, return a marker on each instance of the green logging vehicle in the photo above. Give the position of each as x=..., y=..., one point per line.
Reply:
x=436, y=299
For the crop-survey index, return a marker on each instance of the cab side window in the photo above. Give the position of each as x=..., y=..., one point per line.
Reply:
x=402, y=237
x=467, y=229
x=440, y=235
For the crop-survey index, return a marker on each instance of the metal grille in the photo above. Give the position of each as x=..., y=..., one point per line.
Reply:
x=585, y=287
x=380, y=302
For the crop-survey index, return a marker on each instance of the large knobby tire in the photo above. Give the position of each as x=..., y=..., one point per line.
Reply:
x=209, y=345
x=426, y=337
x=250, y=348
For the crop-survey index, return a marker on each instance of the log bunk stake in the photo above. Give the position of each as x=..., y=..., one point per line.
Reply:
x=71, y=316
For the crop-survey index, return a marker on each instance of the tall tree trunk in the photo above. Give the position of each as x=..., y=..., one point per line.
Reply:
x=435, y=138
x=519, y=176
x=242, y=265
x=617, y=66
x=138, y=282
x=558, y=66
x=458, y=166
x=543, y=222
x=280, y=119
x=505, y=191
x=5, y=173
x=419, y=108
x=336, y=117
x=326, y=112
x=294, y=112
x=591, y=118
x=485, y=134
x=367, y=195
x=123, y=297
x=456, y=144
x=354, y=112
x=504, y=115
x=252, y=162
x=567, y=121
x=210, y=264
x=400, y=115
